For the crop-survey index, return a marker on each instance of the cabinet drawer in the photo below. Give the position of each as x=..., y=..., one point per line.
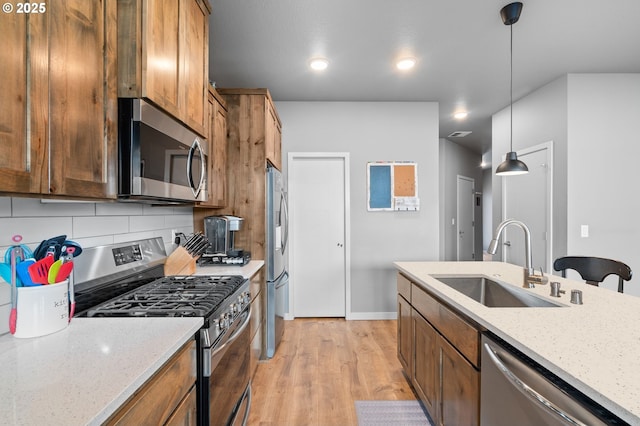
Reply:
x=464, y=336
x=160, y=396
x=404, y=287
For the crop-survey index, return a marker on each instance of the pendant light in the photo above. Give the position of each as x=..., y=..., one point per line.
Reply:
x=511, y=166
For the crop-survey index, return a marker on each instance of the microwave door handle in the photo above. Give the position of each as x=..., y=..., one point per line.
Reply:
x=529, y=392
x=192, y=150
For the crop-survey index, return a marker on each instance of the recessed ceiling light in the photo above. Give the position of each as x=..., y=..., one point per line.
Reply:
x=406, y=63
x=319, y=64
x=460, y=115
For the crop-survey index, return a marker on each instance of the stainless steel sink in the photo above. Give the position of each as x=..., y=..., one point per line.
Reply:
x=494, y=294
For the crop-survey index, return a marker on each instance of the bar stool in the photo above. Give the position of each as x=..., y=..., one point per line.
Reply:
x=594, y=269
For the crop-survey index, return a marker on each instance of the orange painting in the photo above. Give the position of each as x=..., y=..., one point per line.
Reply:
x=404, y=184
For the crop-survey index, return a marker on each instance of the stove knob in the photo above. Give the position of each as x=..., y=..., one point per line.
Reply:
x=224, y=322
x=247, y=297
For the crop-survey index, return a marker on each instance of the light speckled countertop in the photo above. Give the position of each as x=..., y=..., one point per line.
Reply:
x=246, y=271
x=84, y=373
x=595, y=346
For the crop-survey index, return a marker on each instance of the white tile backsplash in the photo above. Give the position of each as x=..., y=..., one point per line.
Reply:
x=5, y=206
x=27, y=207
x=33, y=229
x=118, y=209
x=92, y=226
x=89, y=224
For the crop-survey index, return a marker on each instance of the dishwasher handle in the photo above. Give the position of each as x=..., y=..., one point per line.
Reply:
x=529, y=392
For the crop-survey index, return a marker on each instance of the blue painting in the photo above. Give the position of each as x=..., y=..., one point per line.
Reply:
x=380, y=186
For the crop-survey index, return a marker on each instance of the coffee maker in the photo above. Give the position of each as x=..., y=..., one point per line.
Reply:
x=220, y=232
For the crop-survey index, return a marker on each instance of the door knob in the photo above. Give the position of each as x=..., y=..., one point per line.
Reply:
x=507, y=243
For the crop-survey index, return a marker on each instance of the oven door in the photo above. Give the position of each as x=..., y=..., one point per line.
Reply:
x=225, y=386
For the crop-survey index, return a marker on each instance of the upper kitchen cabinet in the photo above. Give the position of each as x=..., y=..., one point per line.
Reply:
x=217, y=165
x=274, y=136
x=163, y=51
x=58, y=108
x=251, y=120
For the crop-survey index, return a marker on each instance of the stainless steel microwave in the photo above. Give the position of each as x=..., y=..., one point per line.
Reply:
x=160, y=159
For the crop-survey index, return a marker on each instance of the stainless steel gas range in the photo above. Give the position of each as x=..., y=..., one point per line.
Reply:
x=127, y=280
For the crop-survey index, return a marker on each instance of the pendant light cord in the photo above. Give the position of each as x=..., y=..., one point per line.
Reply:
x=511, y=92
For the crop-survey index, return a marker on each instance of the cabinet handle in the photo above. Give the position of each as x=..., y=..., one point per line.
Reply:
x=529, y=392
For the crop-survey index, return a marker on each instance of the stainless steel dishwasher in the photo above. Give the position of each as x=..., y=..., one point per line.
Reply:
x=516, y=390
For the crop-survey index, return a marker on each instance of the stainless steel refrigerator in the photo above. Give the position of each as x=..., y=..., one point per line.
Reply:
x=277, y=276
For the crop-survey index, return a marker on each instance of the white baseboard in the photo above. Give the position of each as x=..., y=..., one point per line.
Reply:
x=360, y=316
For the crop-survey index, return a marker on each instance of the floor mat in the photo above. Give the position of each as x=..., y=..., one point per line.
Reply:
x=390, y=413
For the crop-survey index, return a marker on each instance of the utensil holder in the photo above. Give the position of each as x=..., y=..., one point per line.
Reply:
x=42, y=310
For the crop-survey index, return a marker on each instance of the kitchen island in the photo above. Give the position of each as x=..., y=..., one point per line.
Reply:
x=594, y=346
x=83, y=374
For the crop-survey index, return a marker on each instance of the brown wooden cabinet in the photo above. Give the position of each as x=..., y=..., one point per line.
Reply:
x=273, y=137
x=247, y=129
x=168, y=397
x=163, y=56
x=444, y=367
x=58, y=109
x=217, y=166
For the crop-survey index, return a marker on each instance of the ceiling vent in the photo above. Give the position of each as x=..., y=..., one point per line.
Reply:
x=460, y=134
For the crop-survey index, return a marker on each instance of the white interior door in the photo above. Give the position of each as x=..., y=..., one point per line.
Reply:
x=465, y=225
x=528, y=198
x=318, y=208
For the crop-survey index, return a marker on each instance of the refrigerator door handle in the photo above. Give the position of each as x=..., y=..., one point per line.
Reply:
x=283, y=208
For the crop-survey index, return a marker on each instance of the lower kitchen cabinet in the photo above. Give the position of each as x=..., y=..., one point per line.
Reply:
x=443, y=365
x=425, y=377
x=168, y=397
x=405, y=336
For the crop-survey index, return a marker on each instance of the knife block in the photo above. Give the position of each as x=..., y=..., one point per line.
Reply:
x=180, y=262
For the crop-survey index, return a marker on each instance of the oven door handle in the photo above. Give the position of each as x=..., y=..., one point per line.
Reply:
x=207, y=368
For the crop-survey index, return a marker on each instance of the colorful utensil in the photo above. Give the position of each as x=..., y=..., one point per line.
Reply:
x=67, y=265
x=39, y=271
x=16, y=256
x=52, y=275
x=5, y=272
x=22, y=269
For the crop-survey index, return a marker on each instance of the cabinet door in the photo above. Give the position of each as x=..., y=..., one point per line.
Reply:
x=194, y=24
x=82, y=98
x=460, y=384
x=21, y=158
x=186, y=414
x=405, y=336
x=273, y=136
x=161, y=53
x=426, y=364
x=217, y=167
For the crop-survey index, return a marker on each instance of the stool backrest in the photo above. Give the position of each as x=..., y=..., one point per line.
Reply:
x=594, y=269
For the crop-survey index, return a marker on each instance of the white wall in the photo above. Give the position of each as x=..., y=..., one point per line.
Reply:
x=456, y=160
x=89, y=224
x=375, y=131
x=590, y=118
x=603, y=152
x=539, y=117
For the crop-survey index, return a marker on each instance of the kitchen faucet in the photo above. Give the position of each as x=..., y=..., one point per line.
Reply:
x=530, y=279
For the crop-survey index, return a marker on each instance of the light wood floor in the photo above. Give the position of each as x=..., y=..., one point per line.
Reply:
x=321, y=367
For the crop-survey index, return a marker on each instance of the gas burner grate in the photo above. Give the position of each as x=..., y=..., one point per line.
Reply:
x=178, y=296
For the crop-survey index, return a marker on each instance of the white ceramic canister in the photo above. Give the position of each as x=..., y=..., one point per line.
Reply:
x=42, y=309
